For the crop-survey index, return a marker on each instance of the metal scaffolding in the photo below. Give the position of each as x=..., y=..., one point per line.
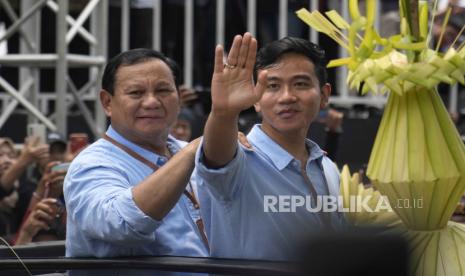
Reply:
x=30, y=60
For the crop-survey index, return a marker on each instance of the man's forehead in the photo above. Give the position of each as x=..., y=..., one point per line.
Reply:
x=279, y=73
x=154, y=68
x=291, y=63
x=144, y=64
x=293, y=75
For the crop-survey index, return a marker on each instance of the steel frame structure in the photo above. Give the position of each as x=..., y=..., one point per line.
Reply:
x=30, y=59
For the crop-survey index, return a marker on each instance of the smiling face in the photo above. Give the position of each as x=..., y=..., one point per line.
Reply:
x=145, y=103
x=293, y=96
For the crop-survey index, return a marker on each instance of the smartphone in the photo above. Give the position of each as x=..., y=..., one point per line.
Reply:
x=78, y=141
x=38, y=130
x=60, y=167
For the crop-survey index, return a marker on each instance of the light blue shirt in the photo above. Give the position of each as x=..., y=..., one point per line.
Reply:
x=103, y=219
x=232, y=199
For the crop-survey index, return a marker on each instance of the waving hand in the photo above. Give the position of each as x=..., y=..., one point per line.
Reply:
x=232, y=83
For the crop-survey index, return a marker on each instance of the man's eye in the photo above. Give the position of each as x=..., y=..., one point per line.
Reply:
x=135, y=93
x=165, y=89
x=302, y=84
x=273, y=86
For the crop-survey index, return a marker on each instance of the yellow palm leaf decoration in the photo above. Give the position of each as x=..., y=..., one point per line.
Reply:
x=351, y=189
x=418, y=153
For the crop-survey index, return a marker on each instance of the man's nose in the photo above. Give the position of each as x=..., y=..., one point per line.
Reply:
x=287, y=95
x=151, y=101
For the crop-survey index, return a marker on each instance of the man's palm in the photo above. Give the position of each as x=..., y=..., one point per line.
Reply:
x=232, y=84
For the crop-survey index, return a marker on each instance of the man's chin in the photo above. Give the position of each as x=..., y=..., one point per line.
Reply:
x=150, y=120
x=290, y=131
x=291, y=126
x=151, y=132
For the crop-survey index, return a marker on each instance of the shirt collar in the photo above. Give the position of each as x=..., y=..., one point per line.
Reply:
x=279, y=156
x=172, y=144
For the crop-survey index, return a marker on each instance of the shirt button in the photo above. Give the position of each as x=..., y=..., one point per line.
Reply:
x=196, y=206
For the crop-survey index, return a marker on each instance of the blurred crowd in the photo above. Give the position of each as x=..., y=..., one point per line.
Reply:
x=31, y=191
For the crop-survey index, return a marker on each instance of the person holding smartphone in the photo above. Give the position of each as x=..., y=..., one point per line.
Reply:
x=32, y=152
x=45, y=218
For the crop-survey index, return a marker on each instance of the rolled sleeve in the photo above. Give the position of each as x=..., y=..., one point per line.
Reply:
x=223, y=182
x=99, y=201
x=134, y=216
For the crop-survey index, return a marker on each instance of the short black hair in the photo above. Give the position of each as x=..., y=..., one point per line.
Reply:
x=271, y=52
x=131, y=57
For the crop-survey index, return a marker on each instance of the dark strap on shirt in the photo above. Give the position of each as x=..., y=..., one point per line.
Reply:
x=131, y=152
x=154, y=167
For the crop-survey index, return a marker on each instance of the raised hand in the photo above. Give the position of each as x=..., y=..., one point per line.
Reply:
x=232, y=82
x=33, y=151
x=40, y=218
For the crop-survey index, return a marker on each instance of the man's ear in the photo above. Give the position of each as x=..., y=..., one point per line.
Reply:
x=325, y=93
x=105, y=99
